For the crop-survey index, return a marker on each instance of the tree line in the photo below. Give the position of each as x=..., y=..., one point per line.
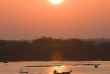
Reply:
x=52, y=49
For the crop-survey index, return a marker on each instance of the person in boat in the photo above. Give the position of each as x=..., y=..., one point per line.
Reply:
x=55, y=72
x=96, y=66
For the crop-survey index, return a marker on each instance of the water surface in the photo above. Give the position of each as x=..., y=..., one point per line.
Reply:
x=47, y=67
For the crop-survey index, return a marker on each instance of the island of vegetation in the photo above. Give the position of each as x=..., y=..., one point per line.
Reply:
x=53, y=49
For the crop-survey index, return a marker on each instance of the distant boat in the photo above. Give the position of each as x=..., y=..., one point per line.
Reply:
x=5, y=62
x=24, y=72
x=96, y=66
x=55, y=72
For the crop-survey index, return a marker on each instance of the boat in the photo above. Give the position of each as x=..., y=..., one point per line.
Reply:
x=55, y=72
x=96, y=66
x=5, y=62
x=23, y=72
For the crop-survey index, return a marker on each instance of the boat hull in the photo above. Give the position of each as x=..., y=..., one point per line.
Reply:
x=64, y=72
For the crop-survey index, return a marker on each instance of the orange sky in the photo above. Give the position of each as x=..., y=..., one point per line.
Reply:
x=26, y=19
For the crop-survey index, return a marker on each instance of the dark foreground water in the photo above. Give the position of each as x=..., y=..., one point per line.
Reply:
x=46, y=67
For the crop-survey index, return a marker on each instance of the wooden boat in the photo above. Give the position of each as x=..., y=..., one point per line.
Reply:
x=55, y=72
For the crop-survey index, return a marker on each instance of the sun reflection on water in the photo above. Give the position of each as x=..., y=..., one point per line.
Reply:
x=58, y=68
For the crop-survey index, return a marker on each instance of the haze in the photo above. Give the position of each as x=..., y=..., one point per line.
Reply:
x=27, y=19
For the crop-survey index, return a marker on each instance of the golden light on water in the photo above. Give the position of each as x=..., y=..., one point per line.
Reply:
x=58, y=68
x=56, y=1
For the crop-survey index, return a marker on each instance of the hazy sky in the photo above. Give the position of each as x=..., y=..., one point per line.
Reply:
x=27, y=19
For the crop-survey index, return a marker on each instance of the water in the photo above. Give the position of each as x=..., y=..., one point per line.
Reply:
x=46, y=67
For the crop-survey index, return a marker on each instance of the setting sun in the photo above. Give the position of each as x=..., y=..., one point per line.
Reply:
x=56, y=1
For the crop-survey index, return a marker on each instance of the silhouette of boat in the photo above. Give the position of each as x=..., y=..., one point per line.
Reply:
x=5, y=62
x=23, y=72
x=96, y=66
x=55, y=72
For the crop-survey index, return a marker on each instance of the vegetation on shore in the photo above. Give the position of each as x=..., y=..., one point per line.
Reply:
x=51, y=49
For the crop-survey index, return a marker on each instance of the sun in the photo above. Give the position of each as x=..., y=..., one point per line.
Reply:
x=56, y=1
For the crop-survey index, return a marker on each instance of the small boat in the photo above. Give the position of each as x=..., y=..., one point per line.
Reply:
x=55, y=72
x=96, y=66
x=23, y=72
x=5, y=62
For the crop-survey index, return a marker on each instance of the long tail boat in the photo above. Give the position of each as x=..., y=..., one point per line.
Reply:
x=55, y=72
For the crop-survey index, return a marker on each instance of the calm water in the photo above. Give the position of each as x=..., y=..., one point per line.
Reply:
x=46, y=67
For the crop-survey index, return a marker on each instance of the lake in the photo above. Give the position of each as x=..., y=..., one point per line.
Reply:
x=47, y=67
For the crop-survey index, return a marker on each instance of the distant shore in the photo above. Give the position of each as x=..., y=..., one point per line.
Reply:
x=52, y=49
